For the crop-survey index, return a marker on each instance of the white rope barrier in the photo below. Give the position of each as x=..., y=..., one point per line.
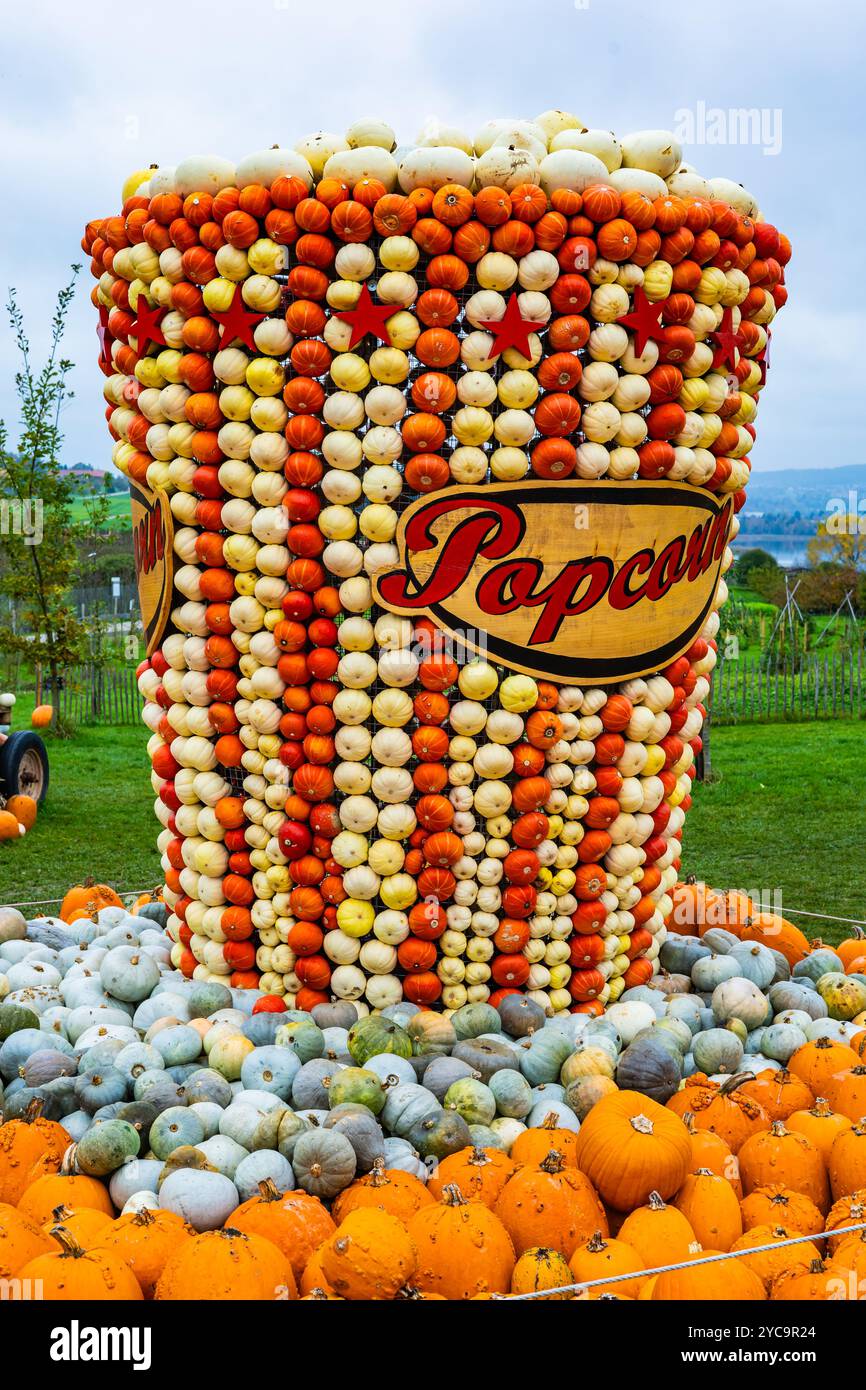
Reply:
x=46, y=902
x=683, y=1264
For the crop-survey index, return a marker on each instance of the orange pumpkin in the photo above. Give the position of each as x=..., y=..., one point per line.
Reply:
x=369, y=1256
x=42, y=716
x=24, y=809
x=659, y=1233
x=480, y=1174
x=710, y=1206
x=145, y=1240
x=817, y=1062
x=552, y=1204
x=23, y=1142
x=846, y=1165
x=88, y=897
x=397, y=1193
x=780, y=1093
x=770, y=1264
x=777, y=1205
x=296, y=1222
x=226, y=1266
x=777, y=933
x=21, y=1240
x=462, y=1248
x=77, y=1275
x=599, y=1257
x=781, y=1155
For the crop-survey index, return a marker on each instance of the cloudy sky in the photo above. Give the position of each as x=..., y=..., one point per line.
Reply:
x=87, y=97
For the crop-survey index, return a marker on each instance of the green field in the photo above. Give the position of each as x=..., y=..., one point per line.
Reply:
x=118, y=511
x=785, y=813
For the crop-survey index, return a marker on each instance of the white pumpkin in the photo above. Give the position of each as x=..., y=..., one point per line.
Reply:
x=734, y=193
x=204, y=173
x=628, y=180
x=435, y=135
x=371, y=131
x=657, y=151
x=574, y=169
x=317, y=149
x=554, y=122
x=266, y=165
x=434, y=166
x=601, y=143
x=364, y=162
x=506, y=166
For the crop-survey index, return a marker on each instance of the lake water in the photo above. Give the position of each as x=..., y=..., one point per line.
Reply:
x=788, y=551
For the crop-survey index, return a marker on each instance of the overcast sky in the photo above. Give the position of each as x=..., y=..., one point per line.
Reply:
x=88, y=94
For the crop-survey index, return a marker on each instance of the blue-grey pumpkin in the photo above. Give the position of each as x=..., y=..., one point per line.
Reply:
x=176, y=1126
x=270, y=1069
x=650, y=1067
x=717, y=1050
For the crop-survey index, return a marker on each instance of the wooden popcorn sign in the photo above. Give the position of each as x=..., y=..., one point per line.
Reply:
x=573, y=581
x=153, y=540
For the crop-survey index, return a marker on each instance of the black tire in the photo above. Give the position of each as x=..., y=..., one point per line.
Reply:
x=24, y=766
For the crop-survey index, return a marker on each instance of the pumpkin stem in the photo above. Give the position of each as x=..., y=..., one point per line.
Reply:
x=642, y=1124
x=68, y=1166
x=656, y=1202
x=66, y=1239
x=61, y=1214
x=596, y=1243
x=553, y=1163
x=733, y=1082
x=453, y=1197
x=550, y=1121
x=704, y=1173
x=478, y=1156
x=816, y=1267
x=33, y=1111
x=268, y=1191
x=777, y=1129
x=144, y=1217
x=317, y=1294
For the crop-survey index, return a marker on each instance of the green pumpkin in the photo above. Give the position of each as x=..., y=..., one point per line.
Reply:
x=720, y=941
x=291, y=1127
x=324, y=1162
x=512, y=1093
x=431, y=1033
x=207, y=998
x=105, y=1147
x=781, y=1040
x=679, y=953
x=754, y=962
x=717, y=1050
x=844, y=996
x=542, y=1061
x=710, y=971
x=651, y=1067
x=676, y=1029
x=14, y=1017
x=739, y=998
x=474, y=1019
x=154, y=912
x=304, y=1037
x=355, y=1086
x=373, y=1035
x=818, y=963
x=439, y=1134
x=471, y=1099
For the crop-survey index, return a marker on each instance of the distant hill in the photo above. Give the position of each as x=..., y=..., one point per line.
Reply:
x=804, y=490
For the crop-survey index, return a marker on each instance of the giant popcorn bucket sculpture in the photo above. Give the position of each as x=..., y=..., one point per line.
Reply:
x=434, y=458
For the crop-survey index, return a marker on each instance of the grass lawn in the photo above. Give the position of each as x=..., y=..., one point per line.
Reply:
x=785, y=813
x=118, y=510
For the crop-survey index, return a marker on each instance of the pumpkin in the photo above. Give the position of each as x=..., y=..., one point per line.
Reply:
x=21, y=1240
x=659, y=1233
x=88, y=897
x=599, y=1257
x=85, y=1225
x=296, y=1222
x=79, y=1275
x=817, y=1061
x=819, y=1282
x=721, y=1108
x=780, y=1155
x=727, y=1281
x=22, y=1142
x=709, y=1150
x=629, y=1146
x=820, y=1125
x=846, y=1165
x=398, y=1193
x=846, y=1211
x=780, y=935
x=779, y=1093
x=63, y=1188
x=480, y=1174
x=225, y=1266
x=462, y=1248
x=369, y=1256
x=24, y=809
x=770, y=1264
x=532, y=1146
x=776, y=1205
x=710, y=1206
x=846, y=1092
x=551, y=1202
x=540, y=1268
x=145, y=1240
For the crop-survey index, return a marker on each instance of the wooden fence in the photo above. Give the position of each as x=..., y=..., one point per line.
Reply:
x=776, y=689
x=92, y=694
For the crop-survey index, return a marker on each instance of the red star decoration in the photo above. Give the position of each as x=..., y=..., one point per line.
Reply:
x=511, y=331
x=367, y=317
x=644, y=320
x=105, y=337
x=728, y=341
x=237, y=322
x=146, y=327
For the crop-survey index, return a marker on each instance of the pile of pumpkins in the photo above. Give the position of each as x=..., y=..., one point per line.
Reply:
x=200, y=1142
x=298, y=345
